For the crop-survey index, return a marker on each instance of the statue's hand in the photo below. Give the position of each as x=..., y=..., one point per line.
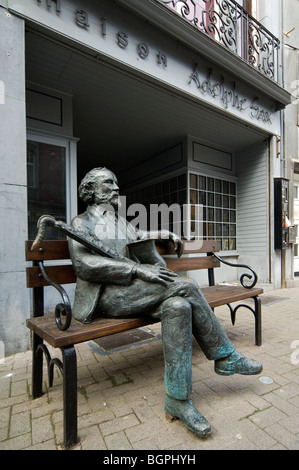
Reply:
x=178, y=244
x=154, y=273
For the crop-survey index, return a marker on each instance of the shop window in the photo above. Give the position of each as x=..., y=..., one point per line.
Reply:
x=212, y=206
x=49, y=183
x=169, y=193
x=219, y=214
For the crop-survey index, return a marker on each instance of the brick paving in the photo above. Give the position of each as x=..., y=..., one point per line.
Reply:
x=120, y=395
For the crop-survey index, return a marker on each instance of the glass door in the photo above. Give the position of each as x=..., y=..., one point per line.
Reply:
x=51, y=181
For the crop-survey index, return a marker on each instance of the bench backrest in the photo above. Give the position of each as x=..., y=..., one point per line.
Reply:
x=57, y=250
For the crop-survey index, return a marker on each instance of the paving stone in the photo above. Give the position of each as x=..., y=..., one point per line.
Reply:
x=42, y=429
x=283, y=436
x=291, y=423
x=118, y=424
x=20, y=423
x=261, y=439
x=267, y=417
x=17, y=443
x=118, y=441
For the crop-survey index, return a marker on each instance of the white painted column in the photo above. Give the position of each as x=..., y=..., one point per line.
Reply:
x=14, y=296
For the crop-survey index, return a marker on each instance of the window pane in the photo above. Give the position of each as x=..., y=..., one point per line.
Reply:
x=210, y=184
x=218, y=198
x=225, y=187
x=211, y=230
x=232, y=244
x=225, y=215
x=193, y=197
x=218, y=230
x=193, y=212
x=211, y=215
x=46, y=185
x=225, y=244
x=202, y=198
x=225, y=201
x=210, y=199
x=225, y=230
x=219, y=215
x=202, y=182
x=193, y=181
x=218, y=186
x=232, y=230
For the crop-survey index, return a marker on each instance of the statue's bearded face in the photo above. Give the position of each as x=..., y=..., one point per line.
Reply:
x=106, y=190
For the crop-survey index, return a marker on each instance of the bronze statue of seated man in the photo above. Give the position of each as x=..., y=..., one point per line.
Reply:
x=120, y=287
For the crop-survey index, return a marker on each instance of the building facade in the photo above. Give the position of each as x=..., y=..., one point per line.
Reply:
x=184, y=100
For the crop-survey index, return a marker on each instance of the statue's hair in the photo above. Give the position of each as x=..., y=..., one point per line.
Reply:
x=86, y=187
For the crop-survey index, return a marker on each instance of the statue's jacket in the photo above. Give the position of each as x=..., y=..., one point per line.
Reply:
x=94, y=271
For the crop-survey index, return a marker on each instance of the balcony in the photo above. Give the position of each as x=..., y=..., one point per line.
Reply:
x=226, y=22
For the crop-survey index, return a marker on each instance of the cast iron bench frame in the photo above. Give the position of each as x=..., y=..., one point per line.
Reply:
x=66, y=334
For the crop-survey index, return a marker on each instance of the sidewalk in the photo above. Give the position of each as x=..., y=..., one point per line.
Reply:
x=120, y=395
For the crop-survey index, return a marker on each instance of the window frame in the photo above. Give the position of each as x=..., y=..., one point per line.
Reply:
x=70, y=145
x=221, y=178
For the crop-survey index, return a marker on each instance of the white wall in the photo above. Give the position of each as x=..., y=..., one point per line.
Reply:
x=14, y=296
x=253, y=209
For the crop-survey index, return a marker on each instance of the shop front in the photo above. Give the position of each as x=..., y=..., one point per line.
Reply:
x=101, y=85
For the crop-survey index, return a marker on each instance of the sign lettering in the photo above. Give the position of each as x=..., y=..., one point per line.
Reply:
x=49, y=4
x=82, y=18
x=228, y=96
x=122, y=39
x=218, y=89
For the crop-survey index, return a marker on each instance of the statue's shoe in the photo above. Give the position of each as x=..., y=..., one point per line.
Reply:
x=237, y=364
x=188, y=414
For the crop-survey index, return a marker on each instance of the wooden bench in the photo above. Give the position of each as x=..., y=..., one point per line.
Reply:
x=59, y=334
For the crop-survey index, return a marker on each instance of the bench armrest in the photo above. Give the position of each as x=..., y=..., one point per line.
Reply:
x=61, y=309
x=249, y=276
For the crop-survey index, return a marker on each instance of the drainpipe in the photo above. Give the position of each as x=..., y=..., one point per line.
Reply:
x=283, y=144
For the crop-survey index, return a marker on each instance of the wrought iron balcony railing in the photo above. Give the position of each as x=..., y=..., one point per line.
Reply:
x=231, y=25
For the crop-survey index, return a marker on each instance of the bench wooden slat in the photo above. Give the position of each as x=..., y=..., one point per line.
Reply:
x=190, y=264
x=78, y=332
x=47, y=250
x=63, y=274
x=196, y=246
x=222, y=295
x=58, y=249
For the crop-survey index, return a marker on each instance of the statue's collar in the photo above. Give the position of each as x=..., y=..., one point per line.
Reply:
x=101, y=210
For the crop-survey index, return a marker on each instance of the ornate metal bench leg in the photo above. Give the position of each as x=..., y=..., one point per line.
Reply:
x=70, y=396
x=258, y=321
x=37, y=367
x=257, y=312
